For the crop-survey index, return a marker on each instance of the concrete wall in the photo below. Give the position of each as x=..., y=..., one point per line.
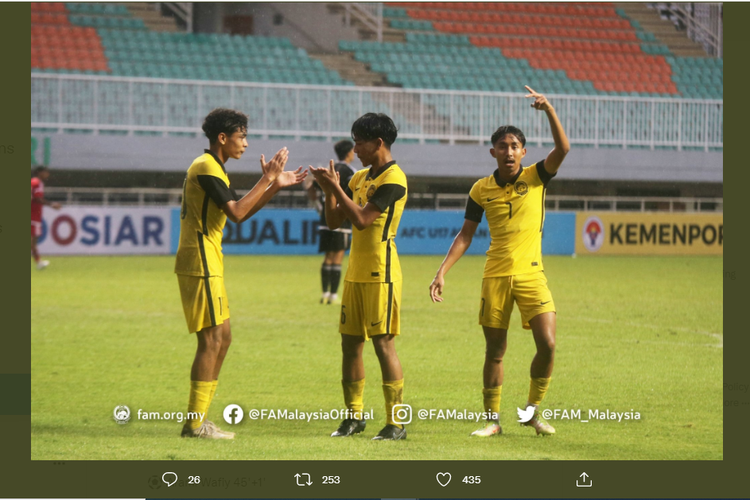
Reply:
x=308, y=25
x=174, y=154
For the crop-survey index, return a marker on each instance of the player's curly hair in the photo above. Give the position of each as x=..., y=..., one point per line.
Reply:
x=373, y=126
x=508, y=129
x=223, y=120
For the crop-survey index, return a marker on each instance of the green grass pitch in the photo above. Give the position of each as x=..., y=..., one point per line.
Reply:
x=634, y=333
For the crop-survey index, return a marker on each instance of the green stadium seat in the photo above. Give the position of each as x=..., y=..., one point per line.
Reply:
x=394, y=12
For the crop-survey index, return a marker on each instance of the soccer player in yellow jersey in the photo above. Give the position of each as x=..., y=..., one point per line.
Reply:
x=207, y=202
x=370, y=305
x=513, y=199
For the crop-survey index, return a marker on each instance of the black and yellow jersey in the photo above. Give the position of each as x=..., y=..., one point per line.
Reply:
x=515, y=215
x=373, y=257
x=205, y=190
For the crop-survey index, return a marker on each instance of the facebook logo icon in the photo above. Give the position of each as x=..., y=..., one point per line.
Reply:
x=233, y=414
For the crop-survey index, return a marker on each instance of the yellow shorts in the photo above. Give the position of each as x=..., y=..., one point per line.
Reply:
x=369, y=309
x=529, y=291
x=204, y=301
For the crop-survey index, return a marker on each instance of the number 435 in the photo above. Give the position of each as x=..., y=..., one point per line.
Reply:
x=472, y=479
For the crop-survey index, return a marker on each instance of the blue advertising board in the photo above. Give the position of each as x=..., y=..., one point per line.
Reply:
x=431, y=232
x=421, y=232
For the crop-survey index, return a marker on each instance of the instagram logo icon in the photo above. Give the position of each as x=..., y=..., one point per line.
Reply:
x=401, y=414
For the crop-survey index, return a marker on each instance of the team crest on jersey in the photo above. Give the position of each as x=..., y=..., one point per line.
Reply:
x=521, y=188
x=371, y=191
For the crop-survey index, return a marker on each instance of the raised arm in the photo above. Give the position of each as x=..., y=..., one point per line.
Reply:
x=562, y=145
x=460, y=244
x=335, y=216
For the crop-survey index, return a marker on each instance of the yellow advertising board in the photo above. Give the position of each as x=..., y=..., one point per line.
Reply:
x=637, y=233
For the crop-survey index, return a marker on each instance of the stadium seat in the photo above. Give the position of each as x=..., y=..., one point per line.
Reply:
x=536, y=34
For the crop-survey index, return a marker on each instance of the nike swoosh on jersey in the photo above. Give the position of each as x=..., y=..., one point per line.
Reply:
x=546, y=302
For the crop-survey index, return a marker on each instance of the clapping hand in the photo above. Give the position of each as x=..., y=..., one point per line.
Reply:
x=289, y=178
x=275, y=167
x=326, y=177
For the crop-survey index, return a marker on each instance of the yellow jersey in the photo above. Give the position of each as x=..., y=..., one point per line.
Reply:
x=515, y=215
x=373, y=257
x=205, y=190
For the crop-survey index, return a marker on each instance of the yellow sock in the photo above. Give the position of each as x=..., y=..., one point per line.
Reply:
x=492, y=401
x=211, y=397
x=393, y=391
x=353, y=395
x=200, y=397
x=538, y=389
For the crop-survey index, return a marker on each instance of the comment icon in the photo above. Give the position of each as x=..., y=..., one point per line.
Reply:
x=169, y=478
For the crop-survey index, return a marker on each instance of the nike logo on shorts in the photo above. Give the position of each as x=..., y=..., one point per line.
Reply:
x=375, y=324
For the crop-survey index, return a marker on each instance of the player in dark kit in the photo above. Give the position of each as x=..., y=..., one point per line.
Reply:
x=333, y=242
x=38, y=201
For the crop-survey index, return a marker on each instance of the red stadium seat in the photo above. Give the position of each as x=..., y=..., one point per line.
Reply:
x=588, y=41
x=601, y=56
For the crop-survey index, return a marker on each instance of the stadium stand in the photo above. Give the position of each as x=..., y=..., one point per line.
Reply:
x=576, y=49
x=57, y=45
x=99, y=38
x=212, y=57
x=564, y=48
x=698, y=77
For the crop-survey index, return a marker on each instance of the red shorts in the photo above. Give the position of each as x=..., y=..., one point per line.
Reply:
x=36, y=228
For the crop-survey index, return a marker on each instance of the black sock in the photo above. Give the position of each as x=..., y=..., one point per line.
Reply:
x=325, y=276
x=335, y=277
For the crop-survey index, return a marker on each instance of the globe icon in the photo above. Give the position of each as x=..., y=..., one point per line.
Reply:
x=154, y=482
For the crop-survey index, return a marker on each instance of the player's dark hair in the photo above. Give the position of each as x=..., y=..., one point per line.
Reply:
x=508, y=129
x=39, y=169
x=223, y=120
x=342, y=148
x=373, y=126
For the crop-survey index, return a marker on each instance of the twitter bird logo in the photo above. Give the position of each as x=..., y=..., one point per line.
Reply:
x=525, y=415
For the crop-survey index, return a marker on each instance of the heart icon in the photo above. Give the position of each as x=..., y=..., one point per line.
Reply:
x=443, y=478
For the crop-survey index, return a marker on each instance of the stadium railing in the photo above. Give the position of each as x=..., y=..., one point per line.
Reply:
x=119, y=105
x=431, y=201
